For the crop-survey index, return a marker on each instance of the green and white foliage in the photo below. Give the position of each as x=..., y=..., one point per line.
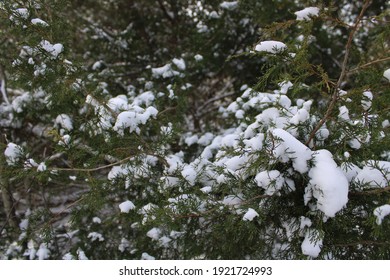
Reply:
x=194, y=129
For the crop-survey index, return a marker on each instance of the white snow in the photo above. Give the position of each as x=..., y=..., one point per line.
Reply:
x=206, y=139
x=312, y=244
x=96, y=220
x=255, y=143
x=41, y=167
x=198, y=57
x=22, y=12
x=381, y=212
x=180, y=63
x=285, y=86
x=375, y=174
x=300, y=117
x=165, y=71
x=343, y=113
x=95, y=236
x=132, y=119
x=328, y=184
x=271, y=47
x=367, y=100
x=54, y=50
x=229, y=5
x=65, y=121
x=154, y=233
x=13, y=153
x=291, y=148
x=306, y=13
x=38, y=21
x=386, y=74
x=43, y=252
x=250, y=215
x=191, y=140
x=189, y=173
x=126, y=206
x=146, y=256
x=271, y=181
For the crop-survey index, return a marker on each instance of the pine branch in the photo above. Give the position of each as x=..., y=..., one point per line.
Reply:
x=343, y=73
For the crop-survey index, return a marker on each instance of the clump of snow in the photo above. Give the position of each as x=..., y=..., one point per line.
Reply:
x=229, y=5
x=381, y=212
x=198, y=57
x=327, y=184
x=54, y=50
x=367, y=100
x=271, y=181
x=41, y=167
x=250, y=215
x=285, y=86
x=64, y=121
x=132, y=119
x=271, y=47
x=289, y=148
x=375, y=174
x=312, y=244
x=165, y=71
x=146, y=256
x=300, y=117
x=96, y=236
x=126, y=206
x=43, y=252
x=386, y=74
x=343, y=113
x=13, y=153
x=180, y=63
x=154, y=233
x=38, y=21
x=306, y=13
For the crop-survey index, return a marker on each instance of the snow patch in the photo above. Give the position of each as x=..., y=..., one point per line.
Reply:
x=386, y=74
x=381, y=212
x=306, y=13
x=250, y=215
x=271, y=47
x=126, y=206
x=38, y=21
x=229, y=5
x=312, y=244
x=327, y=184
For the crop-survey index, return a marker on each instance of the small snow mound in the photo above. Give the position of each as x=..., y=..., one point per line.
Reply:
x=328, y=183
x=229, y=5
x=65, y=121
x=13, y=153
x=38, y=21
x=250, y=215
x=386, y=74
x=311, y=245
x=271, y=47
x=381, y=212
x=126, y=206
x=306, y=13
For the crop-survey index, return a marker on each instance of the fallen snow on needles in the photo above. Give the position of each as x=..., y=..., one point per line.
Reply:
x=306, y=13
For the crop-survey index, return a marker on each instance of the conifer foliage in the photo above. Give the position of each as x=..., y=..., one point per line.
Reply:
x=164, y=129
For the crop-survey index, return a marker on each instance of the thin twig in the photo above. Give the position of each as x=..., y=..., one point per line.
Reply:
x=368, y=64
x=92, y=169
